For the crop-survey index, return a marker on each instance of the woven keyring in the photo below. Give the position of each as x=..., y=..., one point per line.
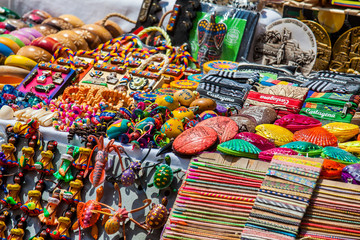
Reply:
x=69, y=52
x=165, y=62
x=162, y=31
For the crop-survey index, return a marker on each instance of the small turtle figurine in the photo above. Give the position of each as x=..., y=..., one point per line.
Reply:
x=157, y=216
x=164, y=175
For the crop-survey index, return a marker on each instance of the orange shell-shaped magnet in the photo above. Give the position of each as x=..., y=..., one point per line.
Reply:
x=317, y=135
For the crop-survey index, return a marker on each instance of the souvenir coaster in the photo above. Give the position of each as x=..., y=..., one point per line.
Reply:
x=219, y=65
x=184, y=84
x=195, y=77
x=165, y=91
x=287, y=41
x=323, y=43
x=142, y=97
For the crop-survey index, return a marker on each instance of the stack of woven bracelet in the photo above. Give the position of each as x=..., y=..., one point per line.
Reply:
x=333, y=212
x=283, y=198
x=210, y=205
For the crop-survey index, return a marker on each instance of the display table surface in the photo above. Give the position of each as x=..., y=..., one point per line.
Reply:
x=131, y=197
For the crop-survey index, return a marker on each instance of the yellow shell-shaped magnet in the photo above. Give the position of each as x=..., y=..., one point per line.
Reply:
x=275, y=133
x=342, y=131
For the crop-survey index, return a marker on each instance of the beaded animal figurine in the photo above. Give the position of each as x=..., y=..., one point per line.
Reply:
x=32, y=207
x=12, y=199
x=45, y=165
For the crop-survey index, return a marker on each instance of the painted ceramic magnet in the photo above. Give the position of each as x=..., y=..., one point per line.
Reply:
x=225, y=127
x=318, y=135
x=239, y=148
x=260, y=142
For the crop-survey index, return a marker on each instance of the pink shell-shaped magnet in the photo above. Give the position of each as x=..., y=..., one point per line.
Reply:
x=260, y=142
x=268, y=154
x=296, y=122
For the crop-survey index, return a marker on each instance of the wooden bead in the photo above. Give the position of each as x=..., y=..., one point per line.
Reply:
x=98, y=30
x=35, y=53
x=73, y=20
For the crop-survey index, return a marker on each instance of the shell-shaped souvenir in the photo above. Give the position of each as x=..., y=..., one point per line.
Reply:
x=268, y=154
x=351, y=147
x=117, y=128
x=339, y=155
x=262, y=114
x=172, y=127
x=342, y=131
x=274, y=133
x=317, y=135
x=331, y=169
x=351, y=174
x=245, y=123
x=239, y=148
x=260, y=142
x=305, y=148
x=224, y=126
x=296, y=122
x=195, y=140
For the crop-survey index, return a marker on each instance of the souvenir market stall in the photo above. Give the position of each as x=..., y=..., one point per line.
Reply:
x=181, y=119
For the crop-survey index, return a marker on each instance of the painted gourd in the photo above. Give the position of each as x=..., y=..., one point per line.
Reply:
x=172, y=128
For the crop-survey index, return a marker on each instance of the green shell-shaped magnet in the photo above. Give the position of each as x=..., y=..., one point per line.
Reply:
x=339, y=155
x=305, y=148
x=239, y=148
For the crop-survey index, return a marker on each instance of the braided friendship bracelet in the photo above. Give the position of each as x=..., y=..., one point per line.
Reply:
x=293, y=170
x=213, y=173
x=284, y=195
x=292, y=178
x=280, y=204
x=231, y=167
x=270, y=235
x=288, y=186
x=221, y=184
x=266, y=217
x=302, y=162
x=256, y=207
x=333, y=219
x=335, y=209
x=271, y=227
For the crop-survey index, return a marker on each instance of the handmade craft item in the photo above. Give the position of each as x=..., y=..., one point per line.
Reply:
x=296, y=122
x=195, y=140
x=164, y=176
x=305, y=148
x=332, y=212
x=18, y=232
x=239, y=148
x=260, y=142
x=82, y=161
x=350, y=174
x=32, y=206
x=267, y=155
x=287, y=189
x=339, y=155
x=331, y=169
x=208, y=205
x=48, y=217
x=97, y=176
x=262, y=115
x=317, y=135
x=45, y=165
x=63, y=226
x=342, y=131
x=12, y=198
x=225, y=127
x=73, y=195
x=277, y=134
